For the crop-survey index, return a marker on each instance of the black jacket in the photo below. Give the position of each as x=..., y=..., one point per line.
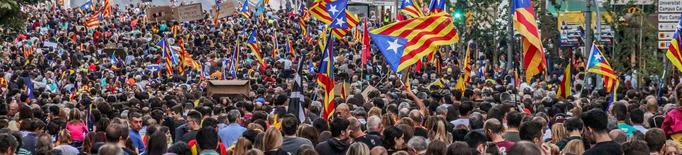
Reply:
x=332, y=147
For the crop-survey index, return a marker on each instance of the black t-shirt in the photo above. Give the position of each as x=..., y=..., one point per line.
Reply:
x=605, y=148
x=370, y=140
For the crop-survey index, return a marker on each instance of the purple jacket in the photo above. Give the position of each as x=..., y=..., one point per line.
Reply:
x=673, y=122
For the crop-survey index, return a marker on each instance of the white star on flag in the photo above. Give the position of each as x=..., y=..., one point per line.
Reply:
x=597, y=56
x=340, y=22
x=332, y=9
x=394, y=46
x=408, y=2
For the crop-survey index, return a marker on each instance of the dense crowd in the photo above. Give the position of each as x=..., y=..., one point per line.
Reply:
x=63, y=93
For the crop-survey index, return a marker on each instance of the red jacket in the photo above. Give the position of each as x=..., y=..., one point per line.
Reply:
x=673, y=122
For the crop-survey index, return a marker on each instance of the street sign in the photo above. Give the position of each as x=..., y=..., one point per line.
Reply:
x=665, y=35
x=633, y=2
x=663, y=44
x=668, y=17
x=667, y=26
x=669, y=6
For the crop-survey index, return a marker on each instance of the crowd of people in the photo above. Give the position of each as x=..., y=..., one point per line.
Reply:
x=64, y=93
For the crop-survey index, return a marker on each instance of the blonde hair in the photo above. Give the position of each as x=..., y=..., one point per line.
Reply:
x=64, y=137
x=358, y=149
x=272, y=139
x=558, y=132
x=241, y=146
x=574, y=147
x=254, y=152
x=437, y=130
x=374, y=111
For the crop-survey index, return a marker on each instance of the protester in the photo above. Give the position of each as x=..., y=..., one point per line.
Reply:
x=114, y=88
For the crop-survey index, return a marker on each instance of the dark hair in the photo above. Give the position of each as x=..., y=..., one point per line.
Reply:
x=207, y=138
x=134, y=115
x=530, y=130
x=209, y=122
x=524, y=148
x=636, y=147
x=573, y=124
x=637, y=116
x=620, y=111
x=473, y=139
x=116, y=132
x=289, y=124
x=436, y=147
x=465, y=107
x=494, y=125
x=157, y=143
x=514, y=119
x=596, y=119
x=456, y=148
x=655, y=138
x=338, y=125
x=390, y=134
x=180, y=148
x=194, y=115
x=7, y=142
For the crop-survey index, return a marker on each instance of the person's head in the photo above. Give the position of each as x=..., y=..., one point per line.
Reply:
x=456, y=148
x=75, y=115
x=374, y=124
x=436, y=147
x=671, y=148
x=417, y=145
x=343, y=110
x=618, y=136
x=575, y=147
x=636, y=147
x=13, y=108
x=393, y=138
x=64, y=137
x=524, y=148
x=558, y=132
x=514, y=119
x=309, y=132
x=493, y=127
x=135, y=121
x=241, y=146
x=8, y=144
x=339, y=128
x=358, y=149
x=194, y=120
x=110, y=149
x=289, y=125
x=272, y=139
x=306, y=149
x=207, y=138
x=596, y=122
x=180, y=148
x=475, y=140
x=573, y=124
x=655, y=139
x=254, y=152
x=531, y=131
x=637, y=116
x=378, y=150
x=116, y=133
x=233, y=116
x=620, y=111
x=157, y=143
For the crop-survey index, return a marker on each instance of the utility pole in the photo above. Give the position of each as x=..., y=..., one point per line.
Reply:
x=588, y=27
x=510, y=38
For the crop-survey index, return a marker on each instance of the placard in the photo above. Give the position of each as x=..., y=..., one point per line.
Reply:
x=189, y=12
x=227, y=8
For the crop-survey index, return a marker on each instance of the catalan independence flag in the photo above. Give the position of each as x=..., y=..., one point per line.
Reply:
x=674, y=52
x=437, y=6
x=408, y=7
x=252, y=43
x=325, y=78
x=106, y=9
x=598, y=64
x=565, y=84
x=404, y=43
x=326, y=12
x=94, y=20
x=524, y=22
x=87, y=6
x=245, y=9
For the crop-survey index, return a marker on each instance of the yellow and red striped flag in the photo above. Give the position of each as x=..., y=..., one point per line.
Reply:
x=466, y=71
x=325, y=78
x=565, y=84
x=252, y=43
x=406, y=42
x=674, y=53
x=524, y=22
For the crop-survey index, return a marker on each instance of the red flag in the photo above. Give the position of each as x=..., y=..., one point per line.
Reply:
x=365, y=44
x=133, y=23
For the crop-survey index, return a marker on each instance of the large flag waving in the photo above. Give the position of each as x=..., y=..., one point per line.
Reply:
x=326, y=11
x=674, y=52
x=252, y=43
x=404, y=43
x=297, y=99
x=598, y=64
x=366, y=49
x=325, y=78
x=408, y=7
x=524, y=21
x=565, y=84
x=244, y=11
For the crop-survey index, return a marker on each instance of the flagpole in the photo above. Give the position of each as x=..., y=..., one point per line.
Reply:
x=660, y=81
